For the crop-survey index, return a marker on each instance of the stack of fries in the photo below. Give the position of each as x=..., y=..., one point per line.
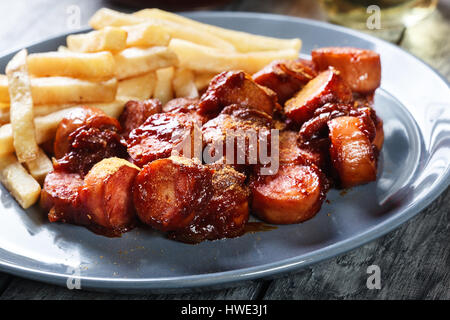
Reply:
x=148, y=54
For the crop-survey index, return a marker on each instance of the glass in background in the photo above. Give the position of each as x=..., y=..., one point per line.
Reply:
x=383, y=18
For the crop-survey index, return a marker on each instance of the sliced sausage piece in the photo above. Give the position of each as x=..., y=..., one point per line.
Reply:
x=237, y=134
x=107, y=195
x=292, y=195
x=78, y=118
x=84, y=138
x=226, y=213
x=169, y=193
x=328, y=86
x=361, y=69
x=60, y=197
x=285, y=77
x=352, y=153
x=379, y=134
x=185, y=105
x=136, y=112
x=161, y=135
x=236, y=87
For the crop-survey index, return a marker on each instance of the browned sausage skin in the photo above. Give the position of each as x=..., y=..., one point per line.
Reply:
x=292, y=195
x=187, y=106
x=168, y=193
x=60, y=197
x=136, y=112
x=243, y=129
x=160, y=135
x=102, y=201
x=360, y=68
x=285, y=77
x=226, y=213
x=236, y=87
x=353, y=156
x=86, y=136
x=328, y=86
x=107, y=196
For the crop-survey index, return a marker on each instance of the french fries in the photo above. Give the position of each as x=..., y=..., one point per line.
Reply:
x=205, y=59
x=202, y=79
x=4, y=91
x=183, y=84
x=106, y=39
x=39, y=167
x=60, y=90
x=146, y=35
x=93, y=66
x=107, y=17
x=163, y=88
x=242, y=41
x=140, y=87
x=46, y=126
x=21, y=109
x=24, y=188
x=133, y=62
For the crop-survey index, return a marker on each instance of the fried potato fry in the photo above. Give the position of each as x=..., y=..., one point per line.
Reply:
x=93, y=66
x=45, y=109
x=146, y=35
x=107, y=17
x=46, y=125
x=202, y=79
x=39, y=167
x=24, y=188
x=21, y=109
x=204, y=59
x=183, y=84
x=60, y=90
x=4, y=91
x=163, y=88
x=133, y=62
x=106, y=39
x=140, y=87
x=242, y=41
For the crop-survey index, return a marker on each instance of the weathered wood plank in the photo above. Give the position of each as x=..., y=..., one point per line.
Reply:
x=414, y=262
x=31, y=290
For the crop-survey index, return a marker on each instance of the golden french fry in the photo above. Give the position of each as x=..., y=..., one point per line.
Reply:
x=202, y=79
x=106, y=39
x=205, y=59
x=4, y=91
x=183, y=84
x=107, y=17
x=146, y=35
x=24, y=188
x=46, y=125
x=21, y=109
x=140, y=87
x=94, y=66
x=63, y=49
x=133, y=62
x=45, y=109
x=163, y=88
x=39, y=167
x=242, y=41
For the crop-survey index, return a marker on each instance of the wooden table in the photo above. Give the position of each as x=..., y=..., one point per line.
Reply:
x=414, y=259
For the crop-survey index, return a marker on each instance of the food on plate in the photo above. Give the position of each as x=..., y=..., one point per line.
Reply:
x=91, y=66
x=169, y=193
x=23, y=187
x=139, y=87
x=361, y=69
x=188, y=128
x=236, y=87
x=328, y=86
x=106, y=39
x=21, y=109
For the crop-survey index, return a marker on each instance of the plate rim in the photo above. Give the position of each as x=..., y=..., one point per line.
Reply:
x=231, y=277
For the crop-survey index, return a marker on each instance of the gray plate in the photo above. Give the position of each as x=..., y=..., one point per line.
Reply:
x=413, y=101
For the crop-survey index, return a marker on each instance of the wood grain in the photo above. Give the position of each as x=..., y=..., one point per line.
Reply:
x=414, y=259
